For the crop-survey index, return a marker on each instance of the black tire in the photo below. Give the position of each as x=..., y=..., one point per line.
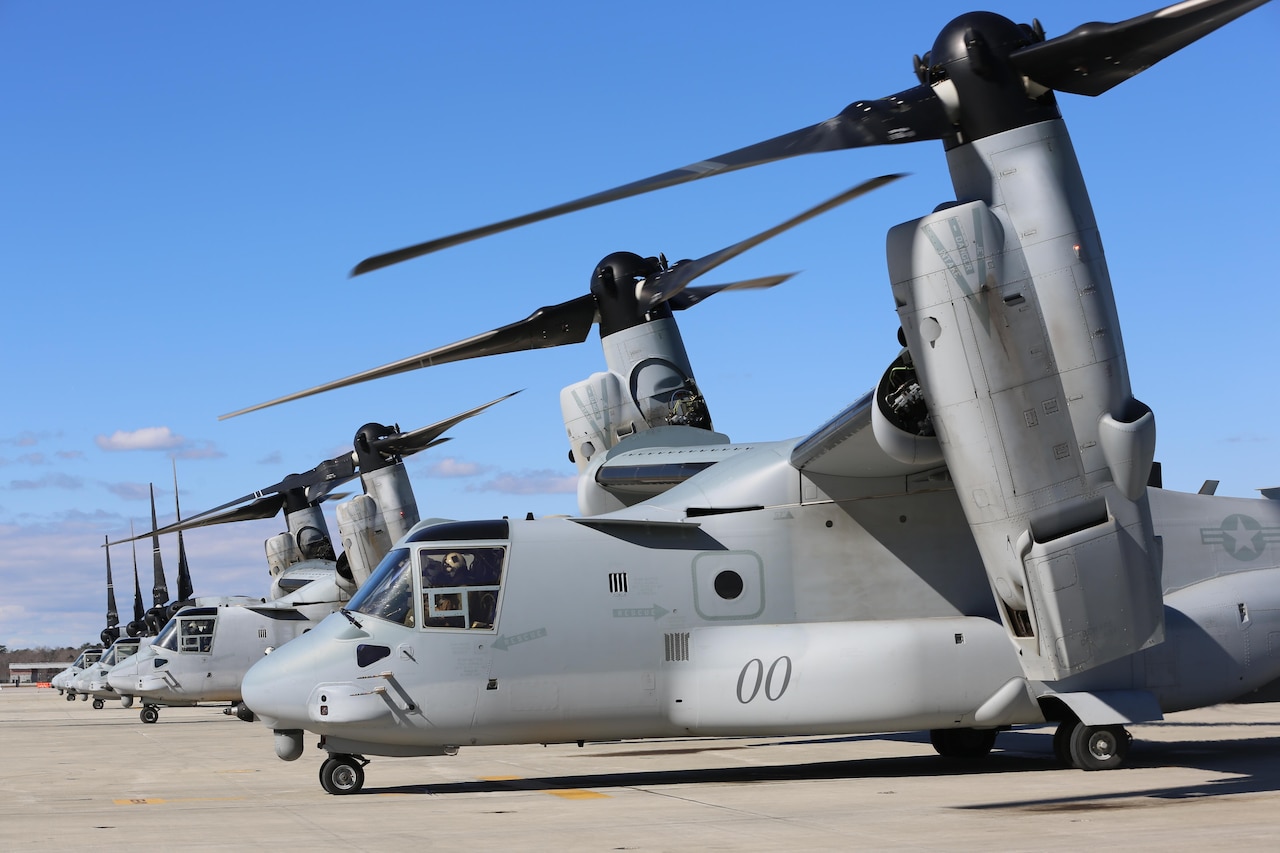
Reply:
x=963, y=743
x=149, y=714
x=1099, y=747
x=99, y=704
x=342, y=774
x=71, y=697
x=1062, y=742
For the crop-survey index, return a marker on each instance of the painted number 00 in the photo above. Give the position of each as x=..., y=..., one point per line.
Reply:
x=774, y=681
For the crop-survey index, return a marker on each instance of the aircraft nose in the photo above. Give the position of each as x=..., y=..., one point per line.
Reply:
x=277, y=687
x=123, y=678
x=262, y=690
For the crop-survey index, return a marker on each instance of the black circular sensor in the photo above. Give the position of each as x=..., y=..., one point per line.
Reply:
x=728, y=585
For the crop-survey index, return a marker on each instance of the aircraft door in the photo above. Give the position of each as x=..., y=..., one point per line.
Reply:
x=458, y=588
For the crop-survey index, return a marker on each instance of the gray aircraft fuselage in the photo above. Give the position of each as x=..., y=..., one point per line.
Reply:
x=861, y=611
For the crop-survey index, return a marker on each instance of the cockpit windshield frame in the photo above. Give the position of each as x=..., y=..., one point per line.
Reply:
x=168, y=636
x=431, y=584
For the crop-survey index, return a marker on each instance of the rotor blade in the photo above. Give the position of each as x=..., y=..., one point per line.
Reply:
x=666, y=284
x=1094, y=57
x=912, y=115
x=265, y=507
x=185, y=590
x=316, y=483
x=424, y=437
x=324, y=478
x=691, y=296
x=113, y=616
x=139, y=612
x=552, y=326
x=160, y=587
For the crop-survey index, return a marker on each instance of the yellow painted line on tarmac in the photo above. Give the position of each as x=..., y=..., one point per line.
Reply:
x=160, y=801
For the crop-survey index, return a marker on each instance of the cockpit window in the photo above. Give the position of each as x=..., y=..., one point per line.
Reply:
x=388, y=594
x=459, y=585
x=120, y=649
x=91, y=656
x=196, y=634
x=168, y=636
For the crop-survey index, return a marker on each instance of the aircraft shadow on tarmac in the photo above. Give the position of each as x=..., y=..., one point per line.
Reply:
x=1251, y=763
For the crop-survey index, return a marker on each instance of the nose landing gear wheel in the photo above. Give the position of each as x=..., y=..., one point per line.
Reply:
x=99, y=704
x=343, y=774
x=149, y=714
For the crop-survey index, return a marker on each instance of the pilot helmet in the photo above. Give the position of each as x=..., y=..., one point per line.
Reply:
x=455, y=562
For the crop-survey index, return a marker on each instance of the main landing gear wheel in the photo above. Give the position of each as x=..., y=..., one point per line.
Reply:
x=1062, y=742
x=963, y=743
x=343, y=774
x=1091, y=747
x=149, y=713
x=99, y=704
x=71, y=697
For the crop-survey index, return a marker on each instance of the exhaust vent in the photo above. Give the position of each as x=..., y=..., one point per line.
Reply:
x=677, y=646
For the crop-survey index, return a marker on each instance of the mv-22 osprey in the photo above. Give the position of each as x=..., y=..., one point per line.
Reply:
x=203, y=652
x=976, y=544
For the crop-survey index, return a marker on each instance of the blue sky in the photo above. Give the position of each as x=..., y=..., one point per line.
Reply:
x=185, y=187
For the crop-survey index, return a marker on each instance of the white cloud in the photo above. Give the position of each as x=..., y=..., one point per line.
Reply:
x=452, y=467
x=147, y=438
x=55, y=573
x=56, y=481
x=531, y=483
x=204, y=450
x=129, y=491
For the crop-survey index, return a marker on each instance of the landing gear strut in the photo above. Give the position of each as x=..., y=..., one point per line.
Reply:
x=343, y=774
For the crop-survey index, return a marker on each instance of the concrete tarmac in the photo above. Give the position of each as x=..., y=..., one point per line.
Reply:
x=78, y=778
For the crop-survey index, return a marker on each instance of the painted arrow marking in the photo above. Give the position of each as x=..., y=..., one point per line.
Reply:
x=654, y=612
x=503, y=643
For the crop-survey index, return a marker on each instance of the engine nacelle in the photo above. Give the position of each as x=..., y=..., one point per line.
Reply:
x=393, y=496
x=649, y=384
x=597, y=415
x=282, y=552
x=1007, y=308
x=365, y=539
